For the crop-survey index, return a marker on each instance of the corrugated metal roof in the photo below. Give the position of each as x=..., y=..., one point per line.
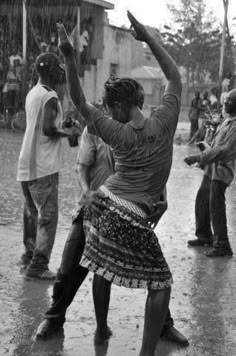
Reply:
x=106, y=5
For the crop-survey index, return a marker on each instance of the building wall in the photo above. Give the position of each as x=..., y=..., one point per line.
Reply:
x=117, y=55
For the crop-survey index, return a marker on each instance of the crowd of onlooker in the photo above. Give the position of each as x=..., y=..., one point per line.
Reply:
x=17, y=77
x=206, y=109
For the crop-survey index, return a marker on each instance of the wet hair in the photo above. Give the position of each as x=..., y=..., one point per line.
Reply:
x=126, y=91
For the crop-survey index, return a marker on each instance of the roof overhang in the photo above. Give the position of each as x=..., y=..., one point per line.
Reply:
x=106, y=5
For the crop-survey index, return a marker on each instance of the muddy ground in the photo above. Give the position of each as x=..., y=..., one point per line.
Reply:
x=203, y=301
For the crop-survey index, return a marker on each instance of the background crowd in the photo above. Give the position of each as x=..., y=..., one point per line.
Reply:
x=204, y=110
x=41, y=37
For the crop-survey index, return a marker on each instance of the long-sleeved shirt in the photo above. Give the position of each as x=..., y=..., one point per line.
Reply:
x=220, y=158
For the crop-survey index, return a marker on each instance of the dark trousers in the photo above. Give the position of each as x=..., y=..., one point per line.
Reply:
x=71, y=275
x=210, y=211
x=40, y=220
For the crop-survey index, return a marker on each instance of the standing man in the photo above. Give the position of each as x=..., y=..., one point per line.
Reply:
x=39, y=165
x=194, y=114
x=219, y=163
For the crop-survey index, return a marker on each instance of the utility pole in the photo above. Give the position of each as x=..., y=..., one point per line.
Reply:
x=222, y=50
x=232, y=66
x=24, y=29
x=24, y=48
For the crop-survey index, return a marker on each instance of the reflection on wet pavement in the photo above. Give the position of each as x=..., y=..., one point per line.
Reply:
x=203, y=302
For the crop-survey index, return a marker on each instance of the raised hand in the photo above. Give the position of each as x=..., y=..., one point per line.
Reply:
x=64, y=43
x=138, y=30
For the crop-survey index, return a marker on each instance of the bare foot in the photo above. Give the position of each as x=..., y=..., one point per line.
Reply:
x=100, y=337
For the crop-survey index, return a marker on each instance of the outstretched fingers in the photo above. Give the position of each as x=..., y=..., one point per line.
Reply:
x=138, y=30
x=64, y=43
x=134, y=22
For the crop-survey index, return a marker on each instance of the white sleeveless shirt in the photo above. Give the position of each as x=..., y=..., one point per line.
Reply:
x=40, y=155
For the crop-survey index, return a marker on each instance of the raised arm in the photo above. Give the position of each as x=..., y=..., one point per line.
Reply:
x=165, y=61
x=75, y=89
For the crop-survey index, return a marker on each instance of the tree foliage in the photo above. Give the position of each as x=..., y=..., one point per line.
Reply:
x=194, y=41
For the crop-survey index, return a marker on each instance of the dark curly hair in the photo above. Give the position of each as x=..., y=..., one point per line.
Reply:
x=126, y=91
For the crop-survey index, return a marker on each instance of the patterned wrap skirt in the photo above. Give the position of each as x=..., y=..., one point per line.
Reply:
x=121, y=247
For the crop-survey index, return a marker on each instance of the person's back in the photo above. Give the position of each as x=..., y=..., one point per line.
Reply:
x=40, y=154
x=143, y=156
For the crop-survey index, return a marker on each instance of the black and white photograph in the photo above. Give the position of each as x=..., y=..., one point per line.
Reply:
x=117, y=167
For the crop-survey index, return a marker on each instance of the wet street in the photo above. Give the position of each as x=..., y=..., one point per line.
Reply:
x=203, y=302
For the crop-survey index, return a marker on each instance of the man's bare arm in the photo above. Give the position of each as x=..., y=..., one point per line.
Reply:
x=49, y=122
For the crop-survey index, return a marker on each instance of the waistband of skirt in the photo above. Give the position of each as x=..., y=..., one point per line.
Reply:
x=124, y=203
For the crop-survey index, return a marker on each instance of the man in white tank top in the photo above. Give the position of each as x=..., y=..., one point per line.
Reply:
x=39, y=165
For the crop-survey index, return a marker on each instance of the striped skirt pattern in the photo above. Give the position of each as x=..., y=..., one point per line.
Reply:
x=122, y=248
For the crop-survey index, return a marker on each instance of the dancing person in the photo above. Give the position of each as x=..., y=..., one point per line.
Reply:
x=39, y=165
x=94, y=165
x=219, y=162
x=120, y=244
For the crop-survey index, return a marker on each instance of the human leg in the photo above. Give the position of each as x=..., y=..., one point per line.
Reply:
x=193, y=127
x=44, y=192
x=219, y=221
x=170, y=333
x=101, y=298
x=202, y=215
x=155, y=314
x=70, y=275
x=68, y=280
x=122, y=251
x=30, y=219
x=169, y=322
x=64, y=290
